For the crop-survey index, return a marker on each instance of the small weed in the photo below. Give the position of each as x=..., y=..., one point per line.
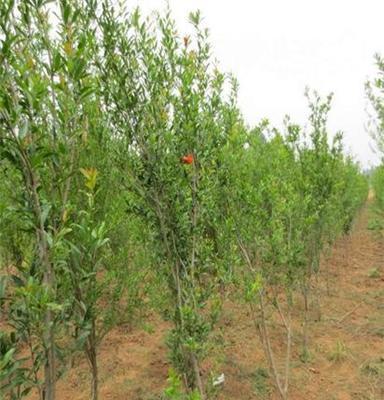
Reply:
x=175, y=391
x=378, y=332
x=148, y=328
x=375, y=225
x=374, y=368
x=375, y=295
x=127, y=383
x=376, y=322
x=261, y=383
x=305, y=356
x=339, y=352
x=374, y=273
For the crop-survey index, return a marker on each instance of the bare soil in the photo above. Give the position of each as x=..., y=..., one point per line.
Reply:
x=346, y=344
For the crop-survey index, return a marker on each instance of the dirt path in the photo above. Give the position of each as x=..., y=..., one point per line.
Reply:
x=347, y=344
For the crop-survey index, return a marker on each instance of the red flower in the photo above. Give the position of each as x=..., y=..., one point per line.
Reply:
x=187, y=159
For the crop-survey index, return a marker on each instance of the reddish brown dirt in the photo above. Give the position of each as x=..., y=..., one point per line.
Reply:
x=133, y=364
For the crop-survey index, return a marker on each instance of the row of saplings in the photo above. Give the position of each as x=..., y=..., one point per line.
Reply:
x=128, y=180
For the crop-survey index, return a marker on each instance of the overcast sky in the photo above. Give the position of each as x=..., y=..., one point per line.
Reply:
x=276, y=48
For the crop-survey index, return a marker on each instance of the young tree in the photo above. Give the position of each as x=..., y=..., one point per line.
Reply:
x=375, y=93
x=268, y=227
x=168, y=112
x=47, y=110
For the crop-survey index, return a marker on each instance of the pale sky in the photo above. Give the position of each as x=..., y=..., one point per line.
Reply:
x=276, y=48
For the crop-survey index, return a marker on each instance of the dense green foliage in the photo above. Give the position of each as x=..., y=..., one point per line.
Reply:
x=375, y=92
x=377, y=181
x=129, y=181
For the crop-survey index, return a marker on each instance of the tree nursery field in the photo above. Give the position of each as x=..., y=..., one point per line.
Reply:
x=154, y=246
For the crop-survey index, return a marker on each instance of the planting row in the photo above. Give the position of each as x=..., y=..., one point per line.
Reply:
x=129, y=182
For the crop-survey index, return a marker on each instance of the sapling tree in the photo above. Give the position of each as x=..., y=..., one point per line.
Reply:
x=170, y=126
x=22, y=93
x=324, y=180
x=378, y=186
x=375, y=93
x=88, y=240
x=44, y=118
x=317, y=182
x=292, y=193
x=374, y=90
x=267, y=229
x=354, y=192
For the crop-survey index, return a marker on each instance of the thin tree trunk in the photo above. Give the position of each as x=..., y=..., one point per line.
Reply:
x=199, y=382
x=49, y=368
x=91, y=352
x=305, y=326
x=95, y=375
x=269, y=352
x=32, y=185
x=287, y=324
